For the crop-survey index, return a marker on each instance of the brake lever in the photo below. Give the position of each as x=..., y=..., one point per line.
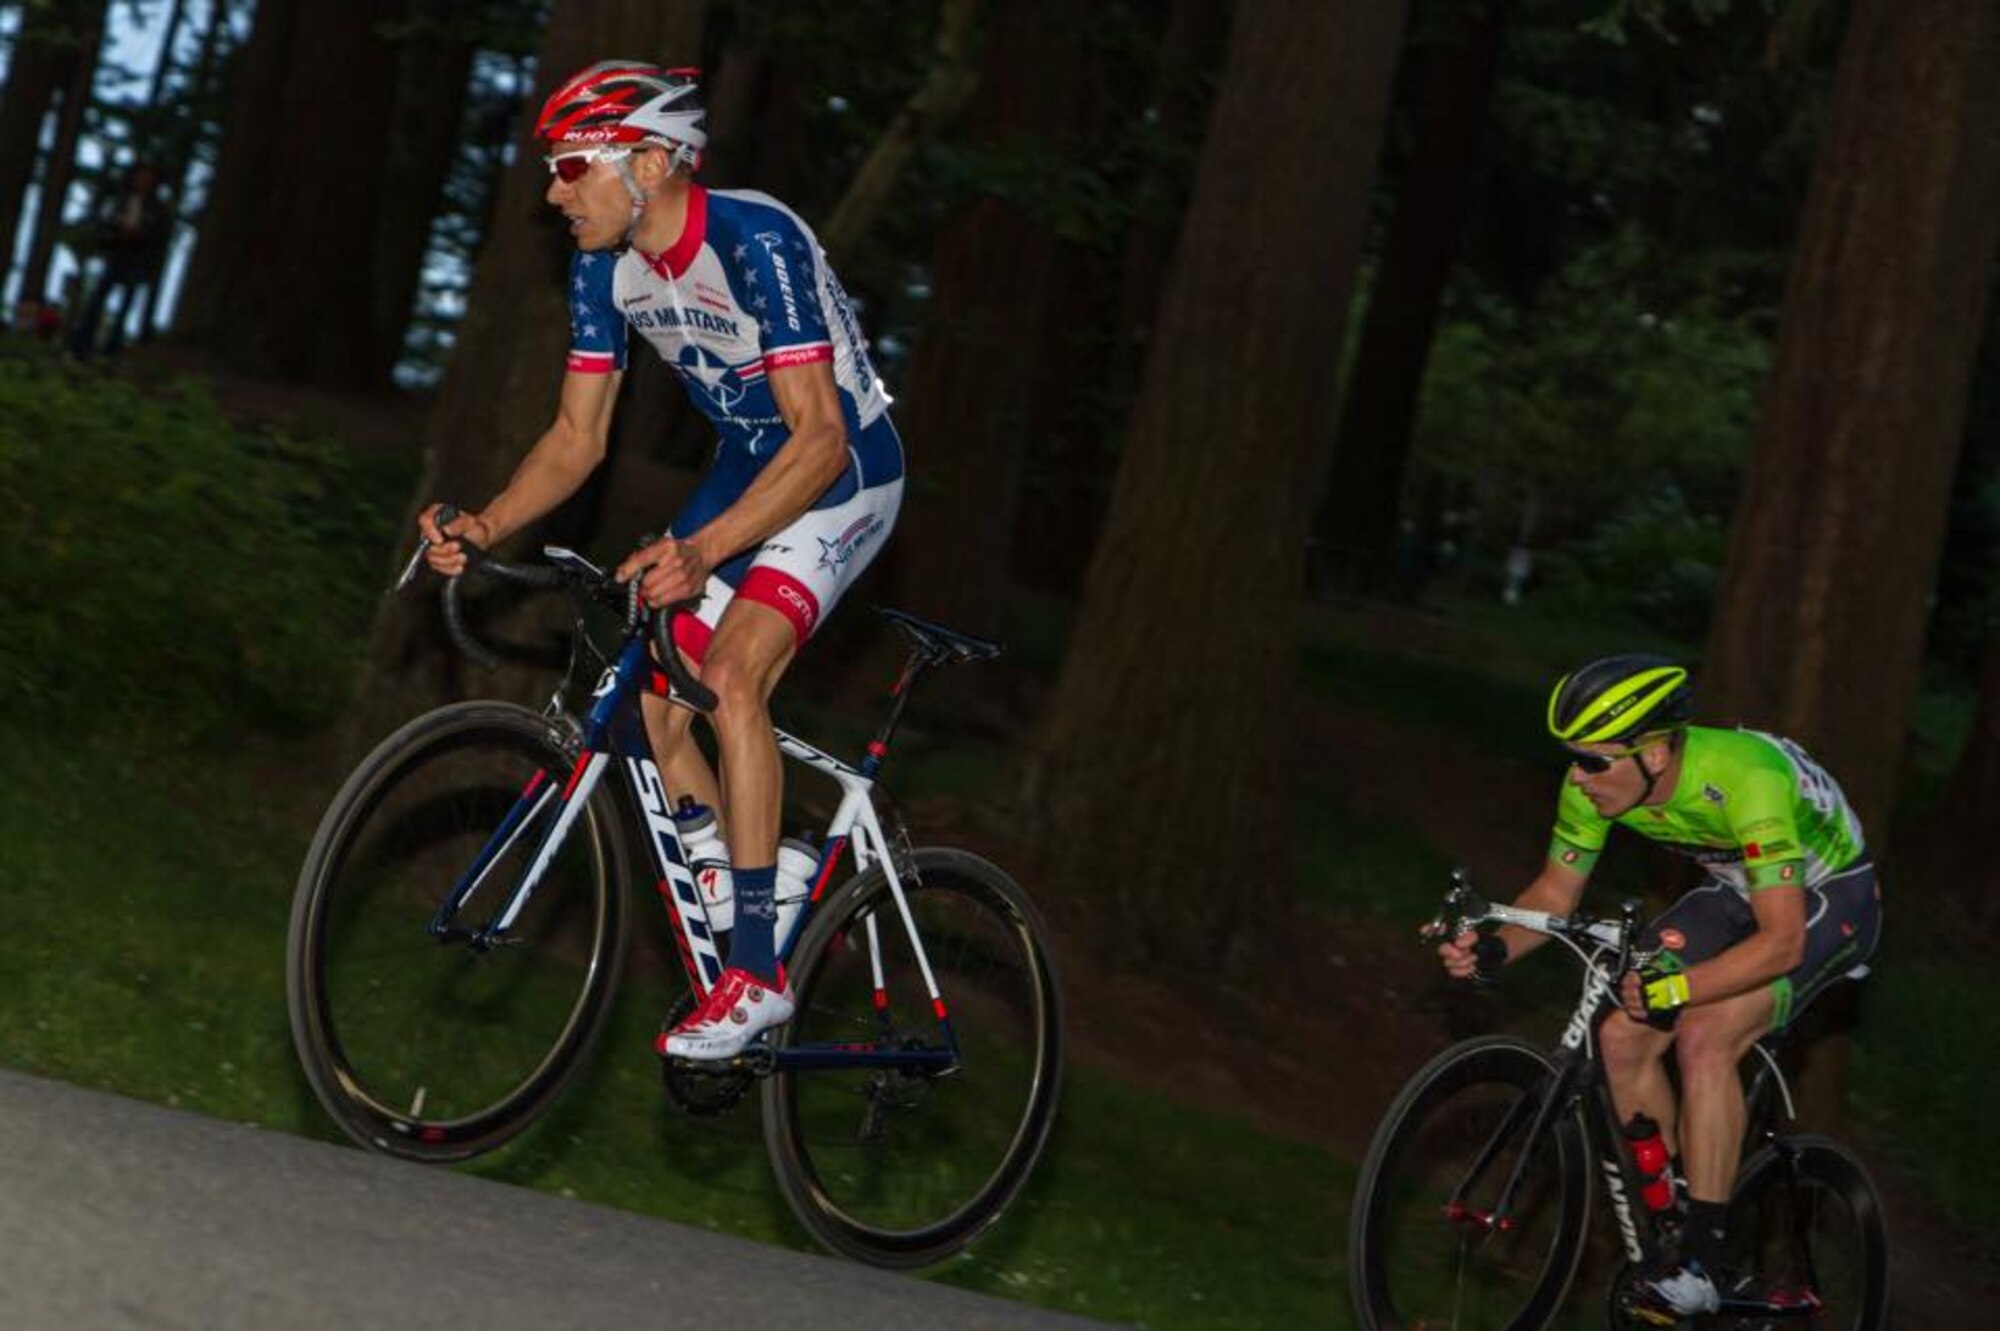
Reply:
x=446, y=513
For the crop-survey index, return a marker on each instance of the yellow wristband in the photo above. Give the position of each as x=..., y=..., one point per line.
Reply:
x=1667, y=993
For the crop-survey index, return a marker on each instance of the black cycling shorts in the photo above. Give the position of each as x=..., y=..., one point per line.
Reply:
x=1843, y=925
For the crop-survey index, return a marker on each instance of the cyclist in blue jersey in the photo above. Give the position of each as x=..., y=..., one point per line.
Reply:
x=731, y=289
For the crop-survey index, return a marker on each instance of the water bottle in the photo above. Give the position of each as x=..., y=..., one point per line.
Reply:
x=798, y=865
x=708, y=858
x=1649, y=1155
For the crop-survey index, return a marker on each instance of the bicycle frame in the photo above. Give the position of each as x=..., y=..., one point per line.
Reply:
x=1579, y=1072
x=613, y=728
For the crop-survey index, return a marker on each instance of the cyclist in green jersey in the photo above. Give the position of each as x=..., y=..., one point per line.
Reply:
x=1790, y=904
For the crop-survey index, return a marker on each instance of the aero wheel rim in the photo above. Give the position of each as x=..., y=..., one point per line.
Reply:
x=1441, y=1252
x=908, y=1162
x=430, y=1041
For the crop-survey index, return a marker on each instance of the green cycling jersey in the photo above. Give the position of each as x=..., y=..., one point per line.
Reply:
x=1753, y=809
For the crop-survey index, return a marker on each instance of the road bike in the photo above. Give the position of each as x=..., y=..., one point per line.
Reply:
x=1473, y=1202
x=458, y=934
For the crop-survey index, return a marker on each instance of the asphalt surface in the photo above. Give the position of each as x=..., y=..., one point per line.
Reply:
x=119, y=1214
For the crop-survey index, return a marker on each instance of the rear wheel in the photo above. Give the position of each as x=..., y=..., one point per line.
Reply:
x=438, y=1049
x=1425, y=1246
x=1805, y=1221
x=903, y=1167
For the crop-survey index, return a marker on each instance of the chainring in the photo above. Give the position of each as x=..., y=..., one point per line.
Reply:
x=700, y=1092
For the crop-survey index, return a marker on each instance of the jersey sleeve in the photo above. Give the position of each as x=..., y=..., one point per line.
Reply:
x=1580, y=831
x=1762, y=817
x=596, y=328
x=776, y=273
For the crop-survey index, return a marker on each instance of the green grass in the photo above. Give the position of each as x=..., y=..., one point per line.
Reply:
x=142, y=927
x=1924, y=1079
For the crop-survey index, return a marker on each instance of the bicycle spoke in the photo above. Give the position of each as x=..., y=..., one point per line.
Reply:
x=410, y=1036
x=902, y=1164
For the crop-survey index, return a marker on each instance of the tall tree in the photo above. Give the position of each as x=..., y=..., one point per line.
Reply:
x=1159, y=761
x=1354, y=532
x=34, y=68
x=500, y=390
x=1157, y=124
x=936, y=101
x=1975, y=803
x=183, y=129
x=281, y=282
x=47, y=47
x=969, y=395
x=1819, y=625
x=59, y=164
x=434, y=67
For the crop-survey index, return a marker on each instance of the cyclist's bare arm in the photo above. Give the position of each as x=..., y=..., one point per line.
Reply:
x=811, y=459
x=568, y=451
x=1556, y=890
x=1777, y=947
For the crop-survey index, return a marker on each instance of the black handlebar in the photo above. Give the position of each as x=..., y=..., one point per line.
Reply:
x=596, y=584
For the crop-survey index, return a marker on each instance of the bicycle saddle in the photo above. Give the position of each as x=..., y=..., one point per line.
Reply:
x=946, y=646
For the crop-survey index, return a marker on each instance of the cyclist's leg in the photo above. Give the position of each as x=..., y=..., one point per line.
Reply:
x=1699, y=925
x=683, y=767
x=1635, y=1068
x=1714, y=1037
x=744, y=663
x=792, y=584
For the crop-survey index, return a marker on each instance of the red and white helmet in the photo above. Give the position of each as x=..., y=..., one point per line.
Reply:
x=630, y=102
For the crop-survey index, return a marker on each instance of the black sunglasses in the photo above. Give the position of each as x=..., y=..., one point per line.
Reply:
x=1596, y=764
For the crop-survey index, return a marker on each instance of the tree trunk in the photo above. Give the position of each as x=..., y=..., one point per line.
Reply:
x=1072, y=469
x=500, y=390
x=993, y=273
x=1964, y=865
x=1354, y=533
x=1819, y=624
x=163, y=68
x=59, y=167
x=1196, y=31
x=177, y=155
x=434, y=69
x=43, y=54
x=281, y=280
x=1820, y=618
x=943, y=92
x=1159, y=761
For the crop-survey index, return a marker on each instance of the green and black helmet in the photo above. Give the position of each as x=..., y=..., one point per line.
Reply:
x=1618, y=699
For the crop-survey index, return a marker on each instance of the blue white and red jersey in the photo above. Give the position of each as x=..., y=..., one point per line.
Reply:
x=745, y=291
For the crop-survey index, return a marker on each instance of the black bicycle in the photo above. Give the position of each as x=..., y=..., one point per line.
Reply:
x=459, y=930
x=1473, y=1203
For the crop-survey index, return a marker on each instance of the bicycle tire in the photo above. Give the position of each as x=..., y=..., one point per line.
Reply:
x=428, y=1049
x=1411, y=1263
x=878, y=1190
x=1800, y=1193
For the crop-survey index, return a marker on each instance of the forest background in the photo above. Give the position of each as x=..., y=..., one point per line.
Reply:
x=1297, y=385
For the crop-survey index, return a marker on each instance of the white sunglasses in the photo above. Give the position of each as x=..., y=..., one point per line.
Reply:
x=571, y=167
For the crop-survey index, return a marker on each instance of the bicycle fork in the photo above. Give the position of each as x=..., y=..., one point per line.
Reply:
x=1500, y=1219
x=535, y=800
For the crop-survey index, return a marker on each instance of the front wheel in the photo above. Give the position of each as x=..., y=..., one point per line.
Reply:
x=420, y=1038
x=1429, y=1243
x=904, y=1165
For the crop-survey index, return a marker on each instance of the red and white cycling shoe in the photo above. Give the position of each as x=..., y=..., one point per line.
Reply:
x=736, y=1011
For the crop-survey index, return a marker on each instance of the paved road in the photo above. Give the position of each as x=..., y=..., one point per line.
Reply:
x=117, y=1214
